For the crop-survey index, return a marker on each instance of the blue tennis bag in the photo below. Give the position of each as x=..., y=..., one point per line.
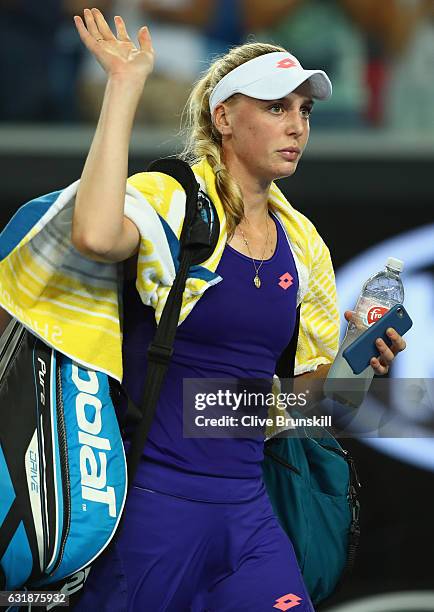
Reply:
x=63, y=471
x=62, y=464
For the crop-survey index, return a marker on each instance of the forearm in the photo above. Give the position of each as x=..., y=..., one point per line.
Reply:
x=99, y=205
x=303, y=382
x=320, y=372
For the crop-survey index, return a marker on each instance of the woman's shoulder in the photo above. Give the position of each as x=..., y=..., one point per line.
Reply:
x=160, y=193
x=160, y=190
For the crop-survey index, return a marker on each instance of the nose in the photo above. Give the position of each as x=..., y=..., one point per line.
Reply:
x=296, y=124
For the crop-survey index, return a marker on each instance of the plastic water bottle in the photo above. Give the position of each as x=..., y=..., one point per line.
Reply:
x=380, y=292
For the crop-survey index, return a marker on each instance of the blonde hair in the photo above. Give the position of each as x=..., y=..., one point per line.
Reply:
x=202, y=139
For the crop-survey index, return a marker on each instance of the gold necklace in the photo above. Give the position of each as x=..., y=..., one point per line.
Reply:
x=256, y=280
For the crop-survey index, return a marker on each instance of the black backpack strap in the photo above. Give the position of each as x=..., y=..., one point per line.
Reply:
x=197, y=241
x=286, y=362
x=285, y=367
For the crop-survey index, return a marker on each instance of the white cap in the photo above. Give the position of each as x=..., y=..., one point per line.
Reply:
x=395, y=264
x=270, y=77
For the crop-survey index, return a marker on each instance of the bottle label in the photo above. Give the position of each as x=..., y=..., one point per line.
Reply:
x=369, y=311
x=375, y=313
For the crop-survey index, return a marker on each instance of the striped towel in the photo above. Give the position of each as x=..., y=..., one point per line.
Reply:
x=74, y=303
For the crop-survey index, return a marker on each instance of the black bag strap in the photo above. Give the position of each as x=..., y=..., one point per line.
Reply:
x=286, y=362
x=197, y=241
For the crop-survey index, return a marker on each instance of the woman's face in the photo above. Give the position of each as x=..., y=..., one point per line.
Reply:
x=265, y=138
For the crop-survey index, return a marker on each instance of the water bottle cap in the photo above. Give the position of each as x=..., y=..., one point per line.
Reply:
x=395, y=264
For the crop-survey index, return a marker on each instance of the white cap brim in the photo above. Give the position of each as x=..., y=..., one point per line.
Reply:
x=278, y=85
x=270, y=77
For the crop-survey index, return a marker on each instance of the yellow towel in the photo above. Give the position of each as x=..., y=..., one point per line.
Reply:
x=73, y=303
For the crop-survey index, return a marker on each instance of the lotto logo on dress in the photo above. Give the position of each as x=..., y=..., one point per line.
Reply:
x=285, y=280
x=286, y=602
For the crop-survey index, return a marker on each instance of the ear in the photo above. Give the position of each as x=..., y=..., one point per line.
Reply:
x=222, y=119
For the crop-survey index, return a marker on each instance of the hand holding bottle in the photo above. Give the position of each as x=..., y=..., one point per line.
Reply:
x=380, y=292
x=382, y=363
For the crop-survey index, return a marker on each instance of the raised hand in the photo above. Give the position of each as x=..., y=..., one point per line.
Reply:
x=118, y=55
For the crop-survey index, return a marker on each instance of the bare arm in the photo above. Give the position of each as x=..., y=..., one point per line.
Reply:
x=99, y=228
x=302, y=382
x=380, y=362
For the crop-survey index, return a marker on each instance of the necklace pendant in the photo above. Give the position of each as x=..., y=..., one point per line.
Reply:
x=257, y=281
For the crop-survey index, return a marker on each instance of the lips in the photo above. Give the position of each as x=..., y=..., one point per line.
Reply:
x=290, y=150
x=290, y=153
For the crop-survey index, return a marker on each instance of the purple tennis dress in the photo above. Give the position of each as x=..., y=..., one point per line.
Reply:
x=199, y=533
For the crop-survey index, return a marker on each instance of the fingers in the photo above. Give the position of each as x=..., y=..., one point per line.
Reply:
x=387, y=353
x=353, y=317
x=121, y=30
x=102, y=25
x=348, y=314
x=83, y=32
x=398, y=342
x=97, y=28
x=144, y=39
x=378, y=367
x=91, y=25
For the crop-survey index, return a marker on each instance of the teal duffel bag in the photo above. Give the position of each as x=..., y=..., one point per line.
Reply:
x=312, y=483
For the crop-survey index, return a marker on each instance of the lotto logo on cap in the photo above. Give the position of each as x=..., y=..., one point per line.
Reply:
x=375, y=314
x=288, y=62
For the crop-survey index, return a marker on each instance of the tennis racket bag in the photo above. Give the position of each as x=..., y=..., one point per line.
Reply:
x=62, y=462
x=63, y=470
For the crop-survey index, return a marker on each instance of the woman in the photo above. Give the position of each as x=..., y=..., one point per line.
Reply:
x=199, y=531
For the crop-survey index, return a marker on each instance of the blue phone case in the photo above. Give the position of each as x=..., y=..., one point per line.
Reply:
x=361, y=351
